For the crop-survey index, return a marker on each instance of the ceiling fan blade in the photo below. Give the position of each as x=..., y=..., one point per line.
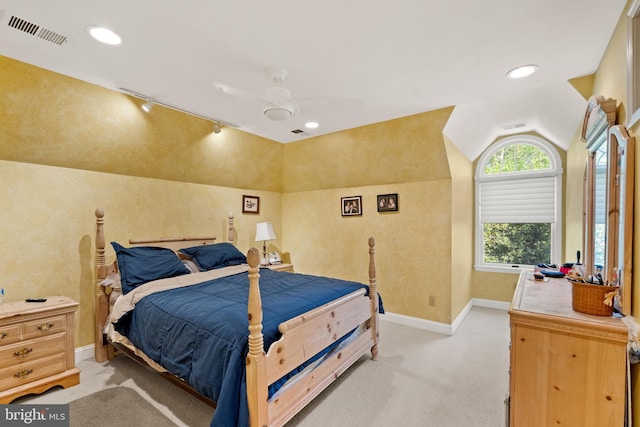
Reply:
x=236, y=93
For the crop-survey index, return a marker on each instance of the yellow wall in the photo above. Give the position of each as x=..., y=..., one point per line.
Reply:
x=409, y=149
x=68, y=147
x=49, y=224
x=462, y=219
x=50, y=119
x=406, y=156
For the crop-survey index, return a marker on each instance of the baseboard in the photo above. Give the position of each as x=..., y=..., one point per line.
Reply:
x=85, y=353
x=489, y=303
x=415, y=322
x=444, y=328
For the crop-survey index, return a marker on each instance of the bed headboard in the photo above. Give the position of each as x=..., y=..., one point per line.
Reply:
x=103, y=269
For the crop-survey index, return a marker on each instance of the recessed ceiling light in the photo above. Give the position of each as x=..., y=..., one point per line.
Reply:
x=104, y=35
x=311, y=125
x=522, y=71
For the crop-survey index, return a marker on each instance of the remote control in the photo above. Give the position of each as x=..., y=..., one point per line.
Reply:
x=35, y=299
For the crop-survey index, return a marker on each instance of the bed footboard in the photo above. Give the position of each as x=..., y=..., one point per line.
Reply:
x=302, y=338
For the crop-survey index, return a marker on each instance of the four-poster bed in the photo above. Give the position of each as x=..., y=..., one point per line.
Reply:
x=311, y=330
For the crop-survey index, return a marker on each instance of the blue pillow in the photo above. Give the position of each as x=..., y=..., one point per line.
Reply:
x=218, y=255
x=142, y=264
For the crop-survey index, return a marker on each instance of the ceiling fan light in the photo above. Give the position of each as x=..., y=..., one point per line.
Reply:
x=277, y=113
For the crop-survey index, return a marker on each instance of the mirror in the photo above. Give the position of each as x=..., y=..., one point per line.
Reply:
x=608, y=199
x=600, y=207
x=600, y=115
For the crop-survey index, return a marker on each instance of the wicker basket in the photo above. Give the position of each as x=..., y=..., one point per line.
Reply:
x=589, y=299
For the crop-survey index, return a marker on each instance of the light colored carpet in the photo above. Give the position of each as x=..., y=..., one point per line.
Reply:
x=420, y=379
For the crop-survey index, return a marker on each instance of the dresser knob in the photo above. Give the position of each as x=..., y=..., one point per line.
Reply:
x=23, y=374
x=23, y=353
x=3, y=334
x=45, y=326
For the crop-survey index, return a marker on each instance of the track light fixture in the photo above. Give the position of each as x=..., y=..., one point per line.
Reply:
x=216, y=127
x=147, y=106
x=149, y=102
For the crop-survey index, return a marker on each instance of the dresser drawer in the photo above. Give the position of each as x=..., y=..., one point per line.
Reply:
x=30, y=371
x=42, y=327
x=9, y=334
x=15, y=354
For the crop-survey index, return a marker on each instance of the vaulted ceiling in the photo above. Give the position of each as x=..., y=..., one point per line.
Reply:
x=347, y=64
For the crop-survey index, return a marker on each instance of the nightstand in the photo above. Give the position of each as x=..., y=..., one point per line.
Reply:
x=37, y=348
x=281, y=267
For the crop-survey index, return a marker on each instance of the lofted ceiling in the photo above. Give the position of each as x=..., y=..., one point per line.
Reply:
x=348, y=64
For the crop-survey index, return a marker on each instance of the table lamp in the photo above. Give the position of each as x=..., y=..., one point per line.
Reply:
x=264, y=232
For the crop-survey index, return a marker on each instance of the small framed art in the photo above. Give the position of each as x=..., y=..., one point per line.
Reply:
x=351, y=205
x=388, y=202
x=250, y=204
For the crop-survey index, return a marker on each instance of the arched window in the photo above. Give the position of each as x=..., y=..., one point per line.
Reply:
x=518, y=204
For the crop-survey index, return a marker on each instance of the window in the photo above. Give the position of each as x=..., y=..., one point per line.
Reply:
x=518, y=204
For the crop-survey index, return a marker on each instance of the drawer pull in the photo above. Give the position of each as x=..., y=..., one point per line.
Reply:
x=3, y=334
x=23, y=353
x=44, y=327
x=23, y=374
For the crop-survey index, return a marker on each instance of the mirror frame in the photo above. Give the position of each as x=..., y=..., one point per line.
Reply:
x=621, y=170
x=599, y=117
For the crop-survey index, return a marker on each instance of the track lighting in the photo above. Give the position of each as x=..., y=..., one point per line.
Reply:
x=147, y=106
x=216, y=127
x=149, y=102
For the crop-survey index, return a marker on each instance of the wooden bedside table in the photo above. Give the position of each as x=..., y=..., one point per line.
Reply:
x=281, y=267
x=37, y=347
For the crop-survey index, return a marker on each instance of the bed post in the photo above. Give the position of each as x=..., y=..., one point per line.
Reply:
x=373, y=296
x=102, y=351
x=256, y=360
x=231, y=235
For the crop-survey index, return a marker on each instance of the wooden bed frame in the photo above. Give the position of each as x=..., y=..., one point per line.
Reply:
x=306, y=334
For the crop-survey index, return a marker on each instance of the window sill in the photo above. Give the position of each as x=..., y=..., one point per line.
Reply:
x=506, y=270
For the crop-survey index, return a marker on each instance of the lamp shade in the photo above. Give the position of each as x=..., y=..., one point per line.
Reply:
x=264, y=231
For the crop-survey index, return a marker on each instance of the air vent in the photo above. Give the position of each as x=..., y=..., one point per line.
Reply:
x=36, y=30
x=297, y=131
x=514, y=126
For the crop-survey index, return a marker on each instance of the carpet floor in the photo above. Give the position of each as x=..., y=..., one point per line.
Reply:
x=420, y=379
x=132, y=409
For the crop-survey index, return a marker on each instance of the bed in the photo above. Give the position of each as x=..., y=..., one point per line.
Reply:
x=257, y=344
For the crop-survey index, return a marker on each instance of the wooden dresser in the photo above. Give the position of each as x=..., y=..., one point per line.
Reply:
x=567, y=368
x=37, y=347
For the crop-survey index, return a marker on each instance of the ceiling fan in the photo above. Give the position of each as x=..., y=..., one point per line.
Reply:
x=277, y=103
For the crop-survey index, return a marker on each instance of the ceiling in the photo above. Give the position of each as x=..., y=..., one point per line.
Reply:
x=348, y=63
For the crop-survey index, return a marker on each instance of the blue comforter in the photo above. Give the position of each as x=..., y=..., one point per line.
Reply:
x=200, y=332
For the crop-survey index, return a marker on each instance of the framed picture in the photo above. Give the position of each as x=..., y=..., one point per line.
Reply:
x=387, y=202
x=250, y=204
x=351, y=205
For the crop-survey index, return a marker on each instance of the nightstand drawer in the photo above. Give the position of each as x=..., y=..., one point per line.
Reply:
x=26, y=351
x=27, y=372
x=42, y=327
x=9, y=334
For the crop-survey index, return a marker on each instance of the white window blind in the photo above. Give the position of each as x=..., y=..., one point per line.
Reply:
x=528, y=200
